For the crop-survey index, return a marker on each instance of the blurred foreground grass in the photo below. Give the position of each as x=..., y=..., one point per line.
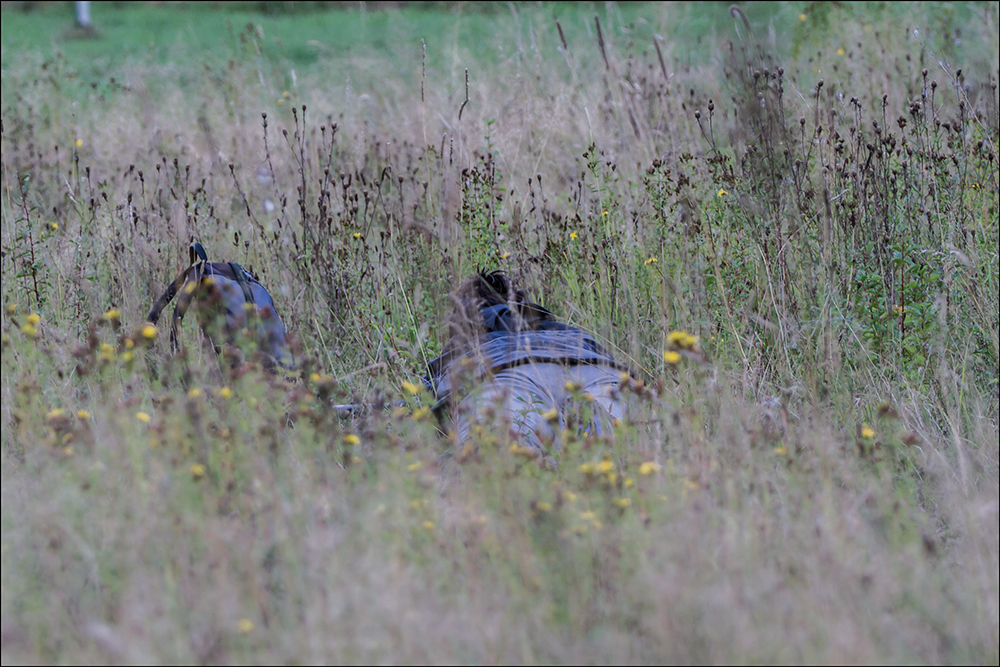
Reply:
x=813, y=196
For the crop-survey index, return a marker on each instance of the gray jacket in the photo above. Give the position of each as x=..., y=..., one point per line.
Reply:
x=526, y=334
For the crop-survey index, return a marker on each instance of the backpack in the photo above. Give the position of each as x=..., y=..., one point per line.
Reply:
x=232, y=292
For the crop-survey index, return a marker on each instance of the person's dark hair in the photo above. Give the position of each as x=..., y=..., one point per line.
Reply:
x=489, y=289
x=477, y=292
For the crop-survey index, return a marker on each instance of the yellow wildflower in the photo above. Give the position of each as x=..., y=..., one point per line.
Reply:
x=721, y=193
x=781, y=451
x=411, y=388
x=651, y=260
x=675, y=337
x=671, y=357
x=421, y=412
x=29, y=331
x=621, y=502
x=428, y=525
x=54, y=413
x=143, y=417
x=286, y=94
x=195, y=392
x=245, y=626
x=682, y=339
x=82, y=415
x=34, y=319
x=413, y=467
x=840, y=51
x=357, y=235
x=149, y=331
x=629, y=483
x=867, y=433
x=526, y=452
x=587, y=468
x=11, y=309
x=550, y=415
x=79, y=143
x=197, y=471
x=802, y=17
x=649, y=468
x=573, y=236
x=351, y=439
x=605, y=466
x=226, y=393
x=543, y=506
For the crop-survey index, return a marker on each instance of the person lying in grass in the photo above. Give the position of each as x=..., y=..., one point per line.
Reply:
x=510, y=369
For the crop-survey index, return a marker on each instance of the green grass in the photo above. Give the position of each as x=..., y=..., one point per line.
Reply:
x=817, y=483
x=160, y=34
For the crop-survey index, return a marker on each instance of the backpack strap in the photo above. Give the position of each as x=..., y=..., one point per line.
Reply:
x=241, y=278
x=193, y=276
x=167, y=296
x=186, y=284
x=197, y=251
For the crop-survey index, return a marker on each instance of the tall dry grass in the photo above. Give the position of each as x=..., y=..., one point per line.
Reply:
x=818, y=483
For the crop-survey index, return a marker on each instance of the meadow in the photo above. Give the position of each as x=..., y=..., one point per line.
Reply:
x=810, y=189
